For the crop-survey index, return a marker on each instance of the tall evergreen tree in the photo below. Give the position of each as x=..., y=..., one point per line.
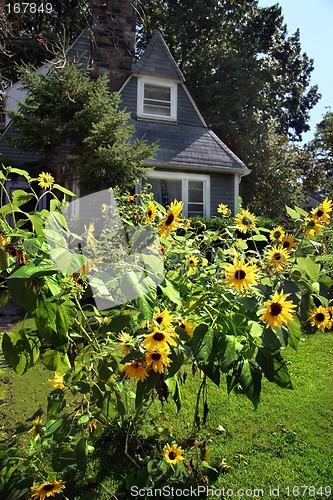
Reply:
x=76, y=123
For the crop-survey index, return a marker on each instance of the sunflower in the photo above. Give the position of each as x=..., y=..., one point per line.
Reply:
x=158, y=339
x=162, y=319
x=4, y=240
x=192, y=261
x=320, y=317
x=277, y=256
x=277, y=310
x=277, y=234
x=36, y=428
x=173, y=454
x=48, y=489
x=157, y=359
x=46, y=180
x=322, y=212
x=151, y=212
x=223, y=209
x=125, y=341
x=171, y=219
x=58, y=381
x=240, y=275
x=330, y=312
x=288, y=242
x=91, y=424
x=187, y=326
x=245, y=221
x=135, y=370
x=312, y=226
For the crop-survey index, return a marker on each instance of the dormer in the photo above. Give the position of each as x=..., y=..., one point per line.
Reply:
x=158, y=78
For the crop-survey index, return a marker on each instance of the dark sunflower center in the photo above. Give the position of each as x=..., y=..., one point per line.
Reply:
x=246, y=221
x=191, y=261
x=136, y=364
x=172, y=455
x=277, y=235
x=183, y=326
x=158, y=336
x=286, y=244
x=320, y=213
x=277, y=256
x=170, y=219
x=156, y=356
x=48, y=487
x=276, y=308
x=240, y=274
x=159, y=320
x=320, y=317
x=150, y=213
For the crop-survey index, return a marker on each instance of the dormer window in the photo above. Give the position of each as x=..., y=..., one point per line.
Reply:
x=157, y=99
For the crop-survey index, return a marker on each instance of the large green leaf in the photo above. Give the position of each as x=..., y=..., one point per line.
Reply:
x=250, y=380
x=21, y=197
x=173, y=386
x=202, y=343
x=274, y=367
x=294, y=328
x=56, y=361
x=308, y=266
x=143, y=388
x=21, y=351
x=169, y=290
x=64, y=458
x=18, y=288
x=54, y=319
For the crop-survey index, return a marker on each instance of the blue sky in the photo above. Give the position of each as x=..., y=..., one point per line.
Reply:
x=314, y=18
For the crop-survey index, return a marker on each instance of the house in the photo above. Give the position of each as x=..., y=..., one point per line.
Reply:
x=192, y=163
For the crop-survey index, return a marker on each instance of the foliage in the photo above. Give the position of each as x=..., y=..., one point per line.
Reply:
x=29, y=35
x=322, y=149
x=77, y=126
x=232, y=317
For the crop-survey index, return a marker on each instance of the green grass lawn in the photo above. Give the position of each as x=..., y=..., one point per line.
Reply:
x=287, y=442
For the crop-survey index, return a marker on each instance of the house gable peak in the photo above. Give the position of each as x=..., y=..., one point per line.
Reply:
x=157, y=61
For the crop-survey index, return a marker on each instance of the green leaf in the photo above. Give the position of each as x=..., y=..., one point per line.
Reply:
x=63, y=190
x=274, y=367
x=226, y=352
x=21, y=197
x=54, y=319
x=146, y=304
x=34, y=269
x=156, y=469
x=173, y=386
x=292, y=213
x=170, y=291
x=55, y=403
x=202, y=343
x=81, y=452
x=21, y=351
x=53, y=426
x=250, y=380
x=307, y=265
x=64, y=458
x=56, y=361
x=143, y=388
x=294, y=328
x=18, y=288
x=21, y=172
x=119, y=322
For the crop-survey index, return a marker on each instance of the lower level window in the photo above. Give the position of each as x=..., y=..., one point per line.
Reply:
x=192, y=189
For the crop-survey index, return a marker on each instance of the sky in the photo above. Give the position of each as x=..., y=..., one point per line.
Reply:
x=314, y=18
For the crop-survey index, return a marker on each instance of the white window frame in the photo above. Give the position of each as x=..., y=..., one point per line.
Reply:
x=158, y=83
x=185, y=177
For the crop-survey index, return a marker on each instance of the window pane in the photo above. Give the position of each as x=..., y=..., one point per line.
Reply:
x=157, y=109
x=166, y=190
x=195, y=210
x=157, y=92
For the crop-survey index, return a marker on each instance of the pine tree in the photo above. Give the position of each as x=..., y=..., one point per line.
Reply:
x=78, y=126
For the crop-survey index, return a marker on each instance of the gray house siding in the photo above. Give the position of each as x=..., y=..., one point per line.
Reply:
x=222, y=190
x=186, y=113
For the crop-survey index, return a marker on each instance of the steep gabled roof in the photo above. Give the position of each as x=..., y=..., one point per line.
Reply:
x=157, y=61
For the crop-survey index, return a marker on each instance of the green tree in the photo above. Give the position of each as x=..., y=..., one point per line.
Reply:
x=279, y=176
x=243, y=70
x=78, y=126
x=321, y=147
x=28, y=34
